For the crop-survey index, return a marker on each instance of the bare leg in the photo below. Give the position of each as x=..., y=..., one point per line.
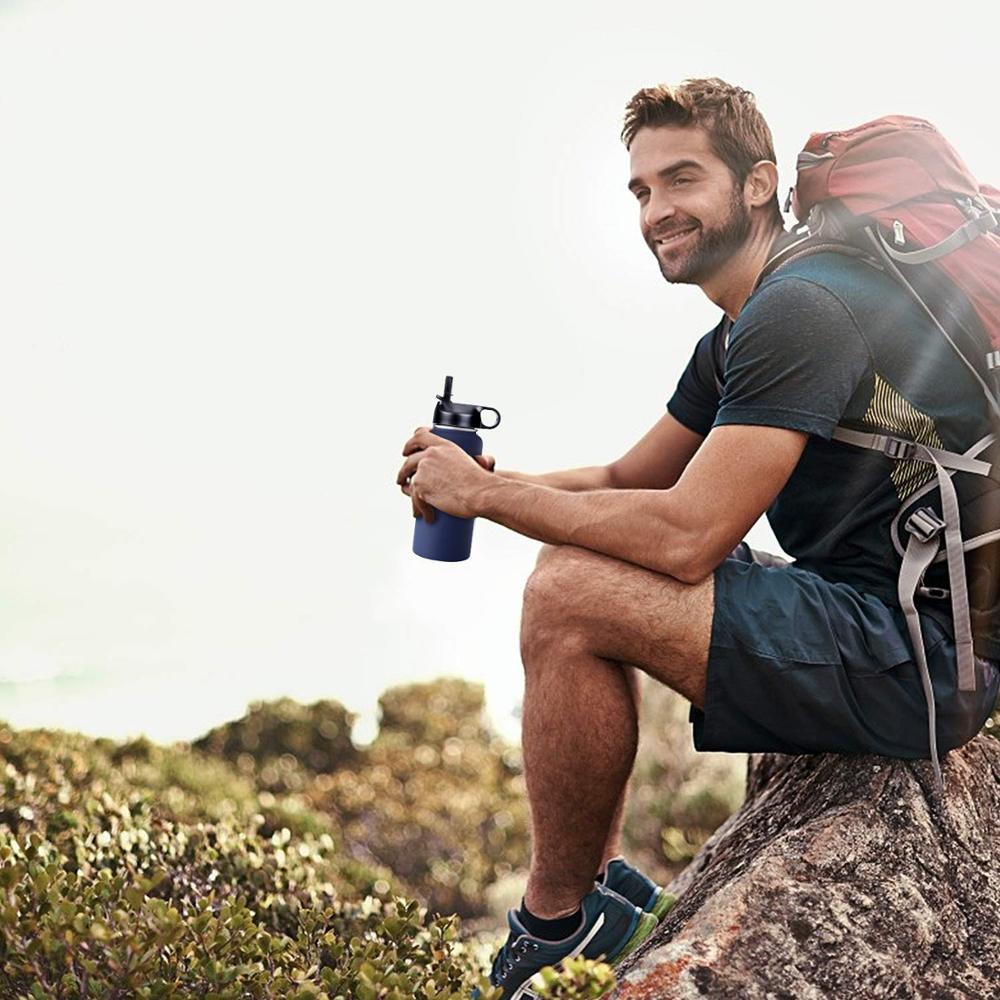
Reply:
x=585, y=615
x=613, y=844
x=576, y=766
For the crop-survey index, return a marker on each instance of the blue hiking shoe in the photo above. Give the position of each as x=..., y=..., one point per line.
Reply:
x=610, y=928
x=637, y=888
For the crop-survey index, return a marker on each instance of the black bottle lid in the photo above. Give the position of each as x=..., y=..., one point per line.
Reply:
x=466, y=415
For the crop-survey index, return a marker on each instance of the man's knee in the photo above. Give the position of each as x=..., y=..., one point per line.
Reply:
x=549, y=611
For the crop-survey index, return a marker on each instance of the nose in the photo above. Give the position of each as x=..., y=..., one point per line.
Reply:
x=659, y=207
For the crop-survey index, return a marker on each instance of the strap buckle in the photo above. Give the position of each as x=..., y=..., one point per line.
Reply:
x=894, y=447
x=934, y=593
x=924, y=524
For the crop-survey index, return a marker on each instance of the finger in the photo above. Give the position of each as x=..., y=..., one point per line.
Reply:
x=407, y=469
x=488, y=462
x=421, y=438
x=426, y=438
x=421, y=509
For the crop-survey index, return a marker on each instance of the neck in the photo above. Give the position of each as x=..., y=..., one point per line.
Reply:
x=730, y=286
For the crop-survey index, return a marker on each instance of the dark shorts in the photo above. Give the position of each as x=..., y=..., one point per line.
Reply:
x=799, y=664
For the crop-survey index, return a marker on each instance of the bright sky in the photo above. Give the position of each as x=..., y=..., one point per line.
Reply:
x=241, y=244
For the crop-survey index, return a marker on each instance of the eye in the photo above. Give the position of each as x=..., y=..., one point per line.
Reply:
x=682, y=180
x=641, y=194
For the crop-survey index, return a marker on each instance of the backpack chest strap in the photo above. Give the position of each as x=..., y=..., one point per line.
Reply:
x=904, y=449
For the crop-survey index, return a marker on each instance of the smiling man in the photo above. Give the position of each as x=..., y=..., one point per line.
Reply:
x=645, y=568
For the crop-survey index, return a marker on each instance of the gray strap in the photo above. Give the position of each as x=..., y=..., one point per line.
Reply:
x=956, y=579
x=900, y=448
x=919, y=554
x=806, y=159
x=903, y=449
x=964, y=234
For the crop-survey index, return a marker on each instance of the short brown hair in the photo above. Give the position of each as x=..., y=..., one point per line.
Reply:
x=736, y=129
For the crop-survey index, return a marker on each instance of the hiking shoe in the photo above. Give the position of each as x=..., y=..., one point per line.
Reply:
x=637, y=888
x=610, y=928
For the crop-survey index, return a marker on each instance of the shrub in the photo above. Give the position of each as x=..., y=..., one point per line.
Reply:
x=273, y=736
x=156, y=879
x=440, y=800
x=272, y=860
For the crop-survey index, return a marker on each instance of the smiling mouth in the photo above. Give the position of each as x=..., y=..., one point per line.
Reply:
x=669, y=241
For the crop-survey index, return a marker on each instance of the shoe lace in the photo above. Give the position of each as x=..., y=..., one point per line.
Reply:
x=516, y=952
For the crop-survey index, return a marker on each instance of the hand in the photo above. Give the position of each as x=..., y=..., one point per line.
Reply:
x=439, y=474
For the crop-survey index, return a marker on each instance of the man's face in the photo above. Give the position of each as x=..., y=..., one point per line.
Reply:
x=691, y=211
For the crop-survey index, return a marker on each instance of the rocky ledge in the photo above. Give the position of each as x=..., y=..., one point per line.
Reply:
x=839, y=877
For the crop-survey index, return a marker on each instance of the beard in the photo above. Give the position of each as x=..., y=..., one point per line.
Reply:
x=707, y=248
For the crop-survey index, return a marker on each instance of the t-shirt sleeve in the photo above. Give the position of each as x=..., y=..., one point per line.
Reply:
x=795, y=358
x=696, y=398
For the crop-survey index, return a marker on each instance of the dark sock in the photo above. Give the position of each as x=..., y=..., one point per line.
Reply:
x=548, y=930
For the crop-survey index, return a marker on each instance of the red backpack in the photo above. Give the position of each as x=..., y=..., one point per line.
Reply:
x=895, y=193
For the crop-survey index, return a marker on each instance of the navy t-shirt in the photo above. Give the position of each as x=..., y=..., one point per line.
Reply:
x=830, y=339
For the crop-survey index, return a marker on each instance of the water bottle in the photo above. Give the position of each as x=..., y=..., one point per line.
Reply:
x=448, y=538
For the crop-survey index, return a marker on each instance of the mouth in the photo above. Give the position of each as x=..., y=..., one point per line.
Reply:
x=674, y=238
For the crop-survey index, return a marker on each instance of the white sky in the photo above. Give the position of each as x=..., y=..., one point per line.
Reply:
x=241, y=243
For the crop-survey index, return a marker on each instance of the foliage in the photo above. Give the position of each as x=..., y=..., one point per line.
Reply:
x=273, y=737
x=155, y=879
x=437, y=798
x=103, y=933
x=579, y=978
x=440, y=800
x=272, y=859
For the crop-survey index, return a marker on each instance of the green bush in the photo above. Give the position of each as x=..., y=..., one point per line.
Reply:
x=274, y=737
x=440, y=800
x=273, y=859
x=579, y=978
x=106, y=934
x=147, y=872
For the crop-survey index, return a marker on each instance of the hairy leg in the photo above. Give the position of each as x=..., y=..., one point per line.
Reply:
x=584, y=616
x=613, y=843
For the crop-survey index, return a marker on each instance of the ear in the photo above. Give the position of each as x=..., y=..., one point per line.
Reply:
x=761, y=183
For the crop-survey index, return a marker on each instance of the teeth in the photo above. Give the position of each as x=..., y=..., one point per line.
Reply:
x=670, y=239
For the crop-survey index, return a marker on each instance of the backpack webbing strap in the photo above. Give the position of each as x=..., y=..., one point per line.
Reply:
x=952, y=526
x=904, y=449
x=920, y=553
x=964, y=234
x=901, y=449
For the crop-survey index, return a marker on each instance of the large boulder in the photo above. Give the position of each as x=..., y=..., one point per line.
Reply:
x=839, y=877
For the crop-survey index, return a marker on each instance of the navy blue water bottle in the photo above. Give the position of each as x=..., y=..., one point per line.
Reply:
x=448, y=538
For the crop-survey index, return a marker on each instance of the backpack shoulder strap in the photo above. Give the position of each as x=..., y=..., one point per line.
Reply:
x=800, y=243
x=721, y=345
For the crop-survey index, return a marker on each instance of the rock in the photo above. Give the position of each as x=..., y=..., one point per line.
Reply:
x=839, y=877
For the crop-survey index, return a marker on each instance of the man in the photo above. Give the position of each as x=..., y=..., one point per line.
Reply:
x=645, y=567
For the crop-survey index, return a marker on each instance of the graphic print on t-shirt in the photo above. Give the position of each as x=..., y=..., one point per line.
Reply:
x=889, y=411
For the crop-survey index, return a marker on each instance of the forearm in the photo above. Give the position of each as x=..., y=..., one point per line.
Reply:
x=593, y=477
x=644, y=527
